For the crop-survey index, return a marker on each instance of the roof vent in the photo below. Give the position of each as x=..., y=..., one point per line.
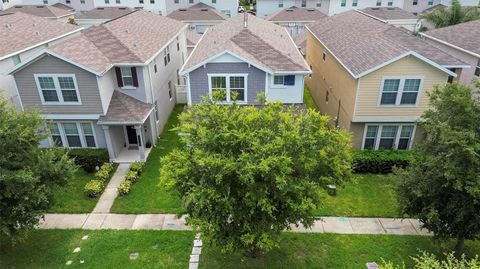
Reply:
x=8, y=25
x=289, y=10
x=183, y=9
x=18, y=6
x=100, y=8
x=37, y=33
x=204, y=9
x=40, y=6
x=126, y=30
x=390, y=8
x=122, y=8
x=375, y=8
x=34, y=24
x=310, y=9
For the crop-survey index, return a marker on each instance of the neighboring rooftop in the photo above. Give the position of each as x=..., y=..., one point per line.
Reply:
x=198, y=12
x=104, y=13
x=193, y=38
x=41, y=11
x=63, y=6
x=433, y=8
x=362, y=43
x=464, y=35
x=123, y=108
x=389, y=13
x=261, y=42
x=20, y=31
x=133, y=38
x=296, y=14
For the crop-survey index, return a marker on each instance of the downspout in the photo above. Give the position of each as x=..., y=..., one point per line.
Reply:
x=152, y=101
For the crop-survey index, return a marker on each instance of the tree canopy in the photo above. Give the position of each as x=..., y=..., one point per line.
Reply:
x=452, y=15
x=248, y=173
x=27, y=173
x=443, y=188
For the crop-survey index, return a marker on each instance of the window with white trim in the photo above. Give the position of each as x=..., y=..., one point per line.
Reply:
x=73, y=134
x=319, y=3
x=354, y=3
x=379, y=3
x=390, y=3
x=228, y=88
x=170, y=90
x=430, y=2
x=56, y=135
x=304, y=3
x=16, y=59
x=343, y=3
x=415, y=2
x=127, y=76
x=400, y=91
x=227, y=13
x=59, y=89
x=388, y=136
x=166, y=55
x=287, y=80
x=280, y=3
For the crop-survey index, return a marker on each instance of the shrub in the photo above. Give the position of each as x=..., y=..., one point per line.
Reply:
x=381, y=161
x=105, y=172
x=124, y=187
x=131, y=176
x=88, y=158
x=429, y=261
x=137, y=167
x=93, y=188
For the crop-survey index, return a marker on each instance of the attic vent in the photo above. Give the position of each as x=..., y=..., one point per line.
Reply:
x=204, y=9
x=310, y=9
x=100, y=8
x=182, y=9
x=18, y=6
x=375, y=8
x=122, y=8
x=288, y=10
x=391, y=8
x=40, y=6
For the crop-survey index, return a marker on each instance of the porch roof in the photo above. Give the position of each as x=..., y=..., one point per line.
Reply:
x=124, y=109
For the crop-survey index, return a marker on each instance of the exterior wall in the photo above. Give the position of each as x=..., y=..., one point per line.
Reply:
x=138, y=92
x=158, y=6
x=77, y=4
x=87, y=87
x=220, y=5
x=117, y=134
x=411, y=25
x=358, y=130
x=107, y=84
x=201, y=26
x=286, y=94
x=293, y=28
x=369, y=90
x=88, y=23
x=330, y=76
x=199, y=79
x=421, y=6
x=336, y=7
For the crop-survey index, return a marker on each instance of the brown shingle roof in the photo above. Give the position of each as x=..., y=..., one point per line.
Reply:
x=134, y=38
x=389, y=13
x=296, y=14
x=19, y=31
x=464, y=35
x=123, y=108
x=261, y=42
x=193, y=38
x=41, y=11
x=362, y=43
x=197, y=12
x=63, y=6
x=104, y=13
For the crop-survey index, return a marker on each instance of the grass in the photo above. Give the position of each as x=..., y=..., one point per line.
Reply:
x=369, y=195
x=103, y=249
x=302, y=251
x=70, y=198
x=147, y=196
x=308, y=99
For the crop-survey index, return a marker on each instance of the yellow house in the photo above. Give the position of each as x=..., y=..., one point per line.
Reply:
x=373, y=79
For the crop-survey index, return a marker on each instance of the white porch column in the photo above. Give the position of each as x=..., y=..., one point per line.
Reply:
x=108, y=140
x=141, y=146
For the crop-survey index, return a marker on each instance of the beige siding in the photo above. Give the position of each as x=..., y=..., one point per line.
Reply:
x=331, y=76
x=369, y=89
x=87, y=86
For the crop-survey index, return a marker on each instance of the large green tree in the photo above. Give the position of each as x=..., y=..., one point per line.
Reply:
x=452, y=15
x=27, y=173
x=248, y=173
x=442, y=189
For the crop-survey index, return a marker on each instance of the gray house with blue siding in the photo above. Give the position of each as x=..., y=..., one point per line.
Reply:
x=245, y=56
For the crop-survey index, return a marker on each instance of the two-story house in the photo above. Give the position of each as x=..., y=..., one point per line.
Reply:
x=395, y=16
x=23, y=35
x=100, y=15
x=294, y=19
x=373, y=78
x=48, y=12
x=199, y=17
x=243, y=57
x=111, y=87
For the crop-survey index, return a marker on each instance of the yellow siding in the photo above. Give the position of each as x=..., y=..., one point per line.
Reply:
x=369, y=89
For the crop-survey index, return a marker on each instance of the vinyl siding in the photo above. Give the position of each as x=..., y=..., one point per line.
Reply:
x=87, y=86
x=358, y=130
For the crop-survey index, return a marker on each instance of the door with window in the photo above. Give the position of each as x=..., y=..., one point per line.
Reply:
x=131, y=136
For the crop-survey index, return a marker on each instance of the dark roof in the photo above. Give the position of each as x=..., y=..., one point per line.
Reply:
x=104, y=13
x=41, y=11
x=124, y=108
x=63, y=6
x=433, y=8
x=197, y=12
x=464, y=35
x=296, y=14
x=389, y=13
x=361, y=42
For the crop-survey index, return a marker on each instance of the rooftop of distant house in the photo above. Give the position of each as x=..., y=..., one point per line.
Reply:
x=296, y=14
x=198, y=12
x=41, y=11
x=389, y=13
x=104, y=13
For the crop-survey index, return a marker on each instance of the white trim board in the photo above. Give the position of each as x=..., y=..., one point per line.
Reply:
x=70, y=116
x=381, y=119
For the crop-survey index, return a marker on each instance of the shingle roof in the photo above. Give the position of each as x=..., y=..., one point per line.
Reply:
x=104, y=13
x=193, y=38
x=134, y=38
x=296, y=14
x=41, y=11
x=63, y=6
x=197, y=12
x=123, y=108
x=19, y=31
x=389, y=13
x=261, y=42
x=362, y=43
x=464, y=35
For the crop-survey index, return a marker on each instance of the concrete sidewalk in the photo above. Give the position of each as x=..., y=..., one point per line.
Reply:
x=110, y=193
x=338, y=225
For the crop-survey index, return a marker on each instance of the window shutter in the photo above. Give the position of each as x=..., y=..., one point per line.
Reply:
x=134, y=77
x=289, y=80
x=119, y=76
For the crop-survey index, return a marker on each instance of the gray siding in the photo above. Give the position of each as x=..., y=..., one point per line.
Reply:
x=87, y=86
x=199, y=79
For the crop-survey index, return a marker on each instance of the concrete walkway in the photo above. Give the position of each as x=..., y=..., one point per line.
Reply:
x=338, y=225
x=110, y=193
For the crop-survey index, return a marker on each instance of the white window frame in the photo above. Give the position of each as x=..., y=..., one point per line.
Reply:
x=397, y=135
x=16, y=59
x=57, y=89
x=430, y=2
x=278, y=85
x=354, y=3
x=318, y=3
x=378, y=3
x=343, y=3
x=280, y=3
x=390, y=3
x=400, y=91
x=63, y=135
x=227, y=84
x=123, y=80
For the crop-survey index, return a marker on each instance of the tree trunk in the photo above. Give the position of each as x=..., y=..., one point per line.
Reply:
x=459, y=247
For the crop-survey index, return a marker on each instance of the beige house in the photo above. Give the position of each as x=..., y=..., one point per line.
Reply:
x=372, y=78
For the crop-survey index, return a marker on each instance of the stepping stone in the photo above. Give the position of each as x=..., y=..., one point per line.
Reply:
x=196, y=250
x=371, y=265
x=82, y=261
x=134, y=255
x=77, y=249
x=197, y=243
x=68, y=262
x=85, y=237
x=193, y=265
x=194, y=258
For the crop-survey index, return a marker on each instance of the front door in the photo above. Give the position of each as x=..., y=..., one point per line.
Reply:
x=131, y=135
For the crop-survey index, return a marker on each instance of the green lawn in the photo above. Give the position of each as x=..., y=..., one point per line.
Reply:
x=70, y=198
x=147, y=196
x=308, y=99
x=365, y=196
x=302, y=251
x=103, y=249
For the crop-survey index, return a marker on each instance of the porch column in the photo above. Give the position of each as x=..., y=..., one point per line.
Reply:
x=108, y=140
x=141, y=146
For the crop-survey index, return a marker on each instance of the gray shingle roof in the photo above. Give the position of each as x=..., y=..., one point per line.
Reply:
x=123, y=108
x=197, y=12
x=362, y=43
x=19, y=31
x=389, y=13
x=297, y=14
x=193, y=38
x=261, y=42
x=464, y=35
x=41, y=10
x=104, y=13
